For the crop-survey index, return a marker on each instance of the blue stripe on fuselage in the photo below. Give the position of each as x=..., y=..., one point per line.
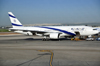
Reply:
x=58, y=30
x=16, y=24
x=11, y=16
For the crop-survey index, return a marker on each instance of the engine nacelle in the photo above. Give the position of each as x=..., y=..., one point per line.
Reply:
x=54, y=35
x=29, y=33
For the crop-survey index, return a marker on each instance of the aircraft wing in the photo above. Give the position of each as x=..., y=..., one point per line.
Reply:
x=33, y=31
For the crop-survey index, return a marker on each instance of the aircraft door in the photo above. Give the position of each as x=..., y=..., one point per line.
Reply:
x=77, y=33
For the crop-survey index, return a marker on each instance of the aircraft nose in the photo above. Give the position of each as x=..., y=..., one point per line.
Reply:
x=97, y=31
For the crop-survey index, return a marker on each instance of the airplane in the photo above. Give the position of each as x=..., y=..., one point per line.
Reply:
x=51, y=32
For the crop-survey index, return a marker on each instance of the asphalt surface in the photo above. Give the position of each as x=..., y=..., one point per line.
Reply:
x=19, y=50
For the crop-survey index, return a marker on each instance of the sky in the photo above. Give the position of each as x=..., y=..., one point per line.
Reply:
x=50, y=11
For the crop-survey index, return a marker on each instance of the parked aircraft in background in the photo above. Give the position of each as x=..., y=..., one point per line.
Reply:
x=51, y=32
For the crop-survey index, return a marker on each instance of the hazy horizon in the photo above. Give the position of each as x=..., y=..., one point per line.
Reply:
x=50, y=11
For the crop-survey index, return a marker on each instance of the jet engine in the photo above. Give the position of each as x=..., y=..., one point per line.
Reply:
x=54, y=35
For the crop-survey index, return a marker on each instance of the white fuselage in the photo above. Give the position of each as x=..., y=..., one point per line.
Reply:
x=64, y=30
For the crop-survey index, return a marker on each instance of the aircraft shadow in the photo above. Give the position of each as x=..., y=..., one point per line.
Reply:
x=32, y=39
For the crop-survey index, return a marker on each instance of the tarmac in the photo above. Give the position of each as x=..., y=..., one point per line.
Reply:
x=20, y=50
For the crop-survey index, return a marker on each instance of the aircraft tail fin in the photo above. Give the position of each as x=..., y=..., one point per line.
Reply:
x=14, y=21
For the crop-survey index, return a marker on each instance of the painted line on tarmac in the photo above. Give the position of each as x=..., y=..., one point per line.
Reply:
x=51, y=57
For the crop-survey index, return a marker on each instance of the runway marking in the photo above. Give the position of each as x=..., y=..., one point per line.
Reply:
x=51, y=57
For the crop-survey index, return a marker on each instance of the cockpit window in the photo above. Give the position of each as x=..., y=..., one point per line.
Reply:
x=94, y=29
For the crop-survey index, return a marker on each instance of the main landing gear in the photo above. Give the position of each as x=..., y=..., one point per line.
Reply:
x=45, y=38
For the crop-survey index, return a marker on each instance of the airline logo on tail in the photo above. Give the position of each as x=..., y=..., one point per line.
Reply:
x=14, y=21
